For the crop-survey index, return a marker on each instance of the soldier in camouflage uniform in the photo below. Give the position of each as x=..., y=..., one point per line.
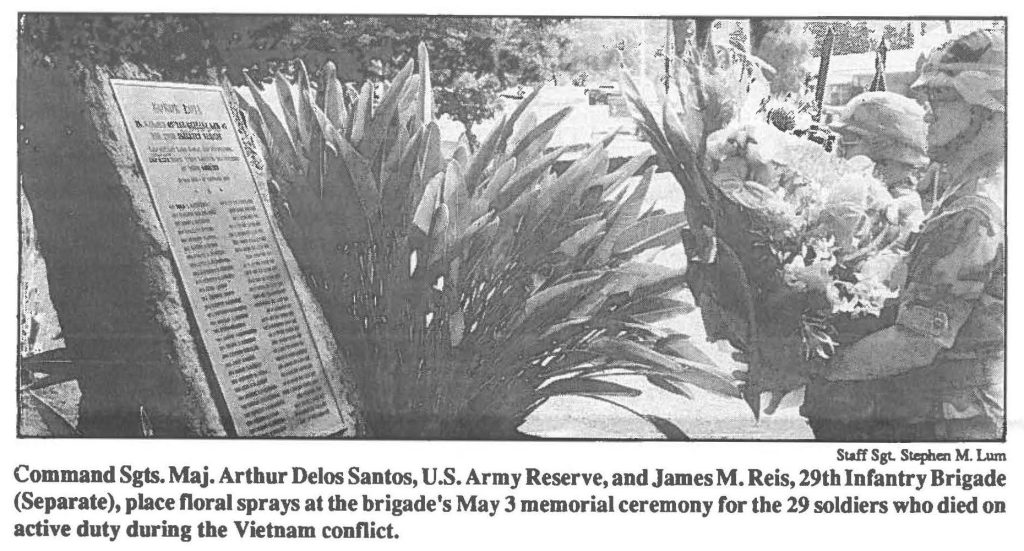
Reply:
x=934, y=369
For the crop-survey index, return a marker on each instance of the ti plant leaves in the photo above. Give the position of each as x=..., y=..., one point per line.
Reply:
x=466, y=291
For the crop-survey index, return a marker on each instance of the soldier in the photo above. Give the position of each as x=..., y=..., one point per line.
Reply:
x=936, y=373
x=890, y=130
x=887, y=128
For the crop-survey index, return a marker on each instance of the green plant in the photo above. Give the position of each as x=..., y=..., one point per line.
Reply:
x=467, y=291
x=37, y=373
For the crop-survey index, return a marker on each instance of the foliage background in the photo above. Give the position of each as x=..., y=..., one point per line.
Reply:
x=474, y=58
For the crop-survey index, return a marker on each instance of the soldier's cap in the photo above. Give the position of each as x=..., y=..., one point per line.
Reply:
x=974, y=65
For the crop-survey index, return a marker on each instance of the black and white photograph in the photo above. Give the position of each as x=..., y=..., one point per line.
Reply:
x=459, y=227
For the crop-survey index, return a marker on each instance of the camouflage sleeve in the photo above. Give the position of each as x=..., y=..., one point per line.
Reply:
x=953, y=261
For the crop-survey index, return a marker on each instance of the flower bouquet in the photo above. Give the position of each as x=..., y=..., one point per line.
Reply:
x=793, y=250
x=835, y=228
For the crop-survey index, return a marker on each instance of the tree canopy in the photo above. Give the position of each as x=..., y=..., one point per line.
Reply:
x=473, y=58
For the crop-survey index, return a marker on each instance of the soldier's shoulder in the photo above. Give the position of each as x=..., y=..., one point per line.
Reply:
x=980, y=208
x=982, y=205
x=988, y=194
x=966, y=232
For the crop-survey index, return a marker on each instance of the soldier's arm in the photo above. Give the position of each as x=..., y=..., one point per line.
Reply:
x=946, y=282
x=884, y=353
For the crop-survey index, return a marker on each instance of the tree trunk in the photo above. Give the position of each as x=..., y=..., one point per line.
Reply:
x=681, y=31
x=758, y=29
x=702, y=32
x=692, y=31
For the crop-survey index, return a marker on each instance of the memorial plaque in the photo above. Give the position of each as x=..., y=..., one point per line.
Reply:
x=254, y=330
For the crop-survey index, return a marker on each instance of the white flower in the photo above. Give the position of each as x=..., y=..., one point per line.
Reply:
x=835, y=210
x=865, y=297
x=814, y=276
